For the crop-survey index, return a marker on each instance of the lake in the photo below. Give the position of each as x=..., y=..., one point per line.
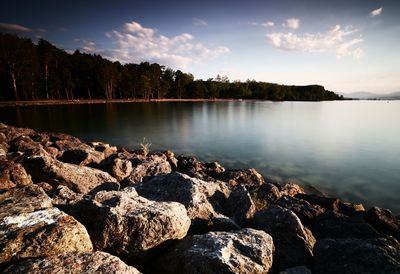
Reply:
x=348, y=149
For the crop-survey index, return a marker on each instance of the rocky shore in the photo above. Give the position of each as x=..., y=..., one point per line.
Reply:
x=72, y=207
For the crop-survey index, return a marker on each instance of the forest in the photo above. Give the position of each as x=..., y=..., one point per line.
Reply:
x=41, y=71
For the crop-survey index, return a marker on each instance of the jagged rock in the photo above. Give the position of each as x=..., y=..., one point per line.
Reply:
x=106, y=149
x=127, y=225
x=303, y=209
x=41, y=233
x=173, y=162
x=291, y=189
x=381, y=255
x=247, y=177
x=336, y=225
x=383, y=221
x=84, y=155
x=11, y=132
x=150, y=166
x=74, y=263
x=62, y=195
x=24, y=199
x=264, y=195
x=297, y=270
x=239, y=206
x=203, y=200
x=186, y=164
x=13, y=174
x=118, y=168
x=293, y=242
x=23, y=143
x=324, y=202
x=243, y=251
x=80, y=179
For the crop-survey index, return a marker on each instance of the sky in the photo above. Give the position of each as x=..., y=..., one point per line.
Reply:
x=346, y=46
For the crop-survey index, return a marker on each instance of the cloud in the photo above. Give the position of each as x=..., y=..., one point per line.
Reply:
x=376, y=12
x=87, y=46
x=268, y=24
x=14, y=28
x=292, y=23
x=338, y=40
x=199, y=22
x=135, y=43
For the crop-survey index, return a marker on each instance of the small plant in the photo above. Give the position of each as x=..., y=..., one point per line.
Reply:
x=145, y=147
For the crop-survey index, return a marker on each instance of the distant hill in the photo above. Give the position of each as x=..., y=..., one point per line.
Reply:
x=369, y=95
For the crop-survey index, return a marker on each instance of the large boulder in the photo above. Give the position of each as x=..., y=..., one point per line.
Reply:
x=11, y=132
x=127, y=225
x=80, y=179
x=24, y=199
x=239, y=206
x=41, y=233
x=118, y=168
x=293, y=242
x=203, y=200
x=291, y=189
x=151, y=165
x=73, y=263
x=82, y=155
x=13, y=174
x=383, y=221
x=264, y=195
x=379, y=255
x=247, y=177
x=243, y=251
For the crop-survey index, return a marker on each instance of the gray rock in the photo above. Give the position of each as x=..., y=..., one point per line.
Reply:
x=41, y=233
x=203, y=200
x=80, y=179
x=293, y=242
x=379, y=255
x=243, y=251
x=127, y=225
x=73, y=263
x=239, y=206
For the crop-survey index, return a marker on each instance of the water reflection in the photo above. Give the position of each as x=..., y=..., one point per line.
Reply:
x=348, y=149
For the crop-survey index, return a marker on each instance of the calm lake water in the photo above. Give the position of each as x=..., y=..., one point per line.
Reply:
x=347, y=149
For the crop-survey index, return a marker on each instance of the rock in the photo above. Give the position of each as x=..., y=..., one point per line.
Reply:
x=13, y=174
x=83, y=156
x=150, y=166
x=239, y=206
x=106, y=149
x=336, y=225
x=203, y=200
x=78, y=178
x=291, y=189
x=186, y=164
x=173, y=162
x=264, y=195
x=23, y=143
x=293, y=242
x=332, y=204
x=24, y=199
x=303, y=209
x=77, y=262
x=118, y=168
x=41, y=233
x=127, y=225
x=297, y=270
x=248, y=177
x=13, y=132
x=243, y=251
x=62, y=195
x=213, y=169
x=381, y=255
x=383, y=221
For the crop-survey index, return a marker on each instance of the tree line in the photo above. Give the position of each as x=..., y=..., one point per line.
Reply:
x=41, y=71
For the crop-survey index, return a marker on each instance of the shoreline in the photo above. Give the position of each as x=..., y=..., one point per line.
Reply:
x=68, y=204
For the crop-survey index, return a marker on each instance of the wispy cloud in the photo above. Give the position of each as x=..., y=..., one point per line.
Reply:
x=14, y=28
x=135, y=43
x=87, y=46
x=200, y=22
x=338, y=40
x=268, y=24
x=292, y=23
x=376, y=12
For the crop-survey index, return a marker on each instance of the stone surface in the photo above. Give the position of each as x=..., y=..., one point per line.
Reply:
x=41, y=233
x=243, y=251
x=247, y=177
x=13, y=174
x=62, y=195
x=78, y=178
x=24, y=199
x=203, y=200
x=380, y=255
x=239, y=206
x=291, y=189
x=73, y=263
x=150, y=166
x=118, y=168
x=264, y=195
x=383, y=221
x=11, y=133
x=127, y=225
x=293, y=242
x=82, y=155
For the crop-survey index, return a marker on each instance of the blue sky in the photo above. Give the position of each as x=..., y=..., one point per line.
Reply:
x=346, y=46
